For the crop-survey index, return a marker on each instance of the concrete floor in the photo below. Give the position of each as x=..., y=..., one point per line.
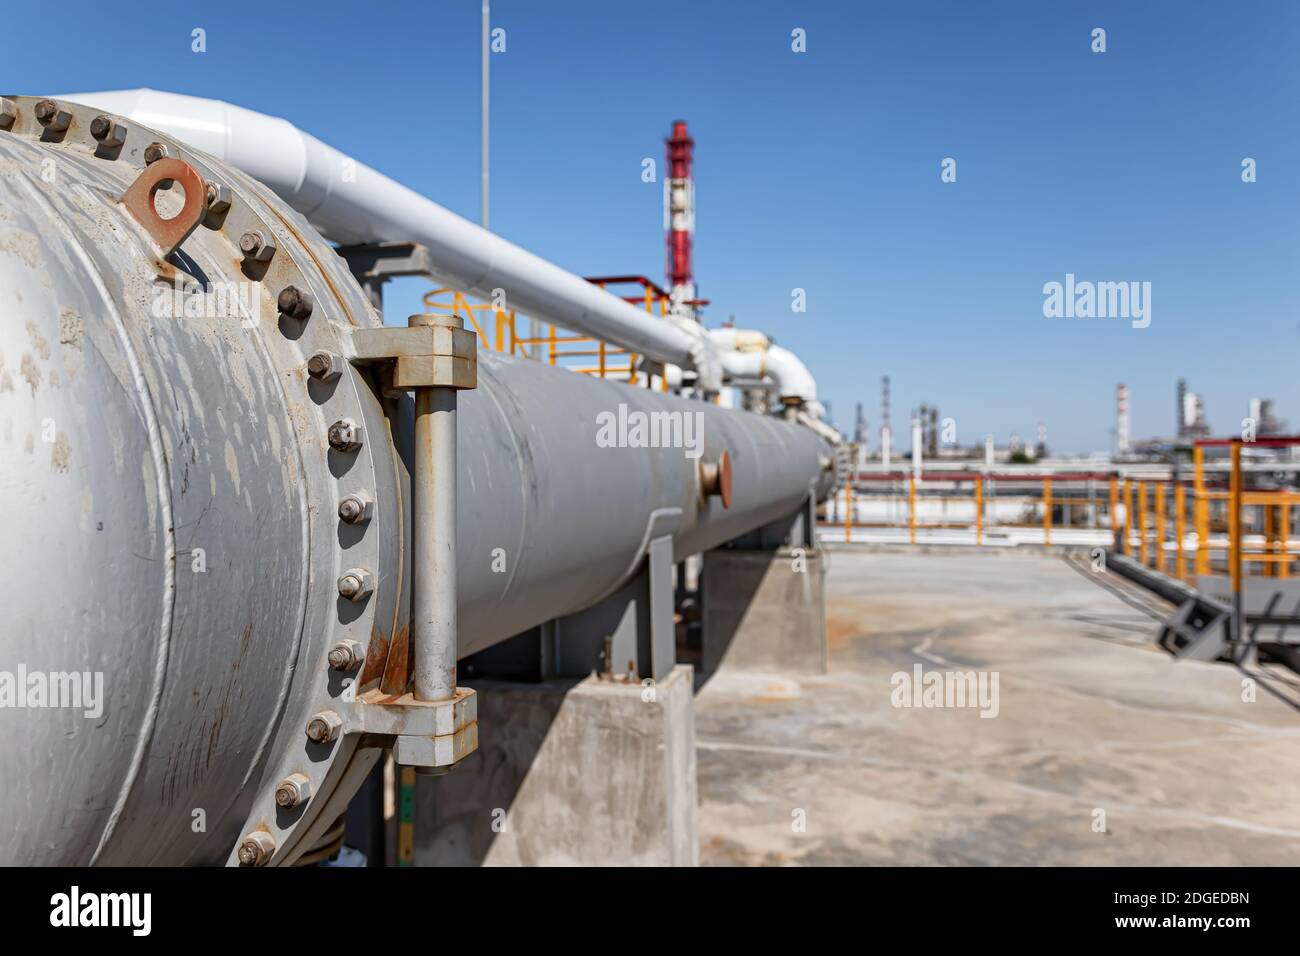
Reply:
x=1092, y=717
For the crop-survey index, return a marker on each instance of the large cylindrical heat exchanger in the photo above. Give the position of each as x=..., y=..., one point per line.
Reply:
x=193, y=466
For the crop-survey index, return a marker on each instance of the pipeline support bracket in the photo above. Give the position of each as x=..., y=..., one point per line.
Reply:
x=437, y=733
x=435, y=725
x=424, y=356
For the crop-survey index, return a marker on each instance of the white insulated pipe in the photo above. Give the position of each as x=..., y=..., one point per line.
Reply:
x=351, y=203
x=746, y=353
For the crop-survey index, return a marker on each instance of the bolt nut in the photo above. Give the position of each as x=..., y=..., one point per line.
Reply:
x=53, y=117
x=325, y=366
x=217, y=198
x=324, y=727
x=8, y=113
x=256, y=246
x=107, y=133
x=294, y=302
x=294, y=790
x=356, y=509
x=256, y=848
x=345, y=435
x=356, y=584
x=156, y=151
x=346, y=655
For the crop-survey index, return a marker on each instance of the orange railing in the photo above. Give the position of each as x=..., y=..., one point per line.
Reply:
x=1184, y=528
x=498, y=328
x=1231, y=528
x=1094, y=496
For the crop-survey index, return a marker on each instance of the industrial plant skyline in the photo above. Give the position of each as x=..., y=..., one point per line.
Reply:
x=823, y=170
x=1188, y=421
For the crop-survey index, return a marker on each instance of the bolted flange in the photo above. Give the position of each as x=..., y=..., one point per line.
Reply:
x=218, y=198
x=324, y=366
x=294, y=302
x=156, y=151
x=356, y=584
x=256, y=848
x=346, y=655
x=294, y=790
x=107, y=133
x=256, y=246
x=356, y=509
x=324, y=727
x=53, y=117
x=345, y=435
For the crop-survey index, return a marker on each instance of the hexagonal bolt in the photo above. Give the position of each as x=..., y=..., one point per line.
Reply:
x=256, y=246
x=52, y=116
x=8, y=113
x=324, y=366
x=256, y=848
x=346, y=656
x=217, y=197
x=156, y=151
x=107, y=133
x=356, y=584
x=293, y=791
x=345, y=435
x=294, y=302
x=324, y=727
x=356, y=508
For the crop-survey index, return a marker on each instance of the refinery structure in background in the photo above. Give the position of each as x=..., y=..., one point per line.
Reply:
x=936, y=436
x=1209, y=511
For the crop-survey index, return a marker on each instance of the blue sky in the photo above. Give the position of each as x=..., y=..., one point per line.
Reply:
x=821, y=170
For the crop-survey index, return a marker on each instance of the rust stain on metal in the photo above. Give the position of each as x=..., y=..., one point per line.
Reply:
x=397, y=669
x=376, y=656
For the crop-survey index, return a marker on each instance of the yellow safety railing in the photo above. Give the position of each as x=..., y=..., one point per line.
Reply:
x=982, y=493
x=1182, y=528
x=1233, y=529
x=498, y=330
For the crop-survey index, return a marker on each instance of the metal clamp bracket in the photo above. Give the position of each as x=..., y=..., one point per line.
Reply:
x=436, y=353
x=437, y=733
x=436, y=725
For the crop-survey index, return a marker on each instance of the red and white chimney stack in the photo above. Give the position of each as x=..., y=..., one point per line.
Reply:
x=679, y=219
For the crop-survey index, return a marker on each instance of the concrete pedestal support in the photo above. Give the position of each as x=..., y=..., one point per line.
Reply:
x=764, y=610
x=584, y=771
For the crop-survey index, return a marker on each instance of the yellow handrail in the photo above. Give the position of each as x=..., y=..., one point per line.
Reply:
x=557, y=345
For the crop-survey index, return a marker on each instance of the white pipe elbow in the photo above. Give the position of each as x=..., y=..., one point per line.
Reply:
x=749, y=354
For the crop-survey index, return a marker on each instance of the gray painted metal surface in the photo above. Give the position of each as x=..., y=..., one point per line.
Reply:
x=174, y=510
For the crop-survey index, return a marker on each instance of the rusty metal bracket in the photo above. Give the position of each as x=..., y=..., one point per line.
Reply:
x=139, y=202
x=429, y=734
x=435, y=353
